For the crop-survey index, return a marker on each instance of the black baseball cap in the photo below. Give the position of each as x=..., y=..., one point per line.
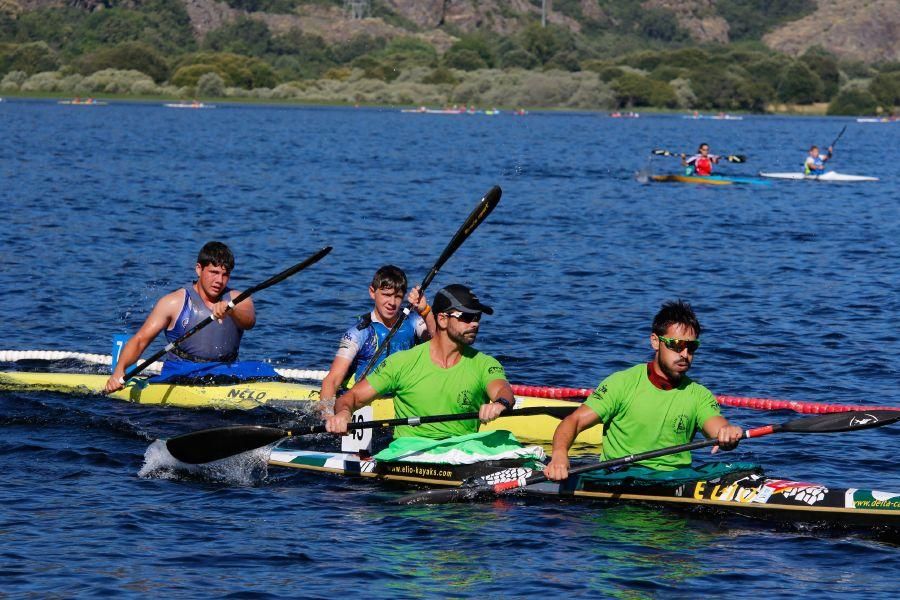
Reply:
x=458, y=297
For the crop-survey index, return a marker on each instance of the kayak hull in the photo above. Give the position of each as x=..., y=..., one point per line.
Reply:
x=535, y=429
x=832, y=176
x=708, y=179
x=748, y=495
x=753, y=495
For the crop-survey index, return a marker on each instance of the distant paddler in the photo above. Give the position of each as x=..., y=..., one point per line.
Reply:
x=444, y=375
x=700, y=163
x=815, y=161
x=652, y=405
x=214, y=349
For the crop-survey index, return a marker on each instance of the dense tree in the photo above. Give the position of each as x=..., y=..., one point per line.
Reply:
x=29, y=58
x=824, y=65
x=464, y=59
x=853, y=102
x=246, y=36
x=477, y=43
x=546, y=42
x=660, y=24
x=358, y=46
x=518, y=58
x=799, y=85
x=129, y=55
x=885, y=87
x=302, y=55
x=235, y=70
x=632, y=90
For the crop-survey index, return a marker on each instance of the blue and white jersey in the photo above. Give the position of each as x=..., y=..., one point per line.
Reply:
x=814, y=166
x=361, y=341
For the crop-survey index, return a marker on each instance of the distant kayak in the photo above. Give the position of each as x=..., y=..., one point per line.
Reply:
x=188, y=105
x=878, y=120
x=719, y=117
x=708, y=179
x=79, y=102
x=827, y=176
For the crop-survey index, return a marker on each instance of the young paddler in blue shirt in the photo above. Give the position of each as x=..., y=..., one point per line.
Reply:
x=178, y=311
x=363, y=339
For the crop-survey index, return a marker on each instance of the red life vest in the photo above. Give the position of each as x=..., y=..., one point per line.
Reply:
x=703, y=166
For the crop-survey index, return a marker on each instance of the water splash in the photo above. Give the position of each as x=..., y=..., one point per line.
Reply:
x=246, y=469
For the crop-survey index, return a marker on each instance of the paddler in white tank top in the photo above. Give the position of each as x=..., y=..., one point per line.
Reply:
x=815, y=162
x=214, y=265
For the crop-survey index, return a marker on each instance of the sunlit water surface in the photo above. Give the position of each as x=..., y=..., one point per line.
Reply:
x=796, y=285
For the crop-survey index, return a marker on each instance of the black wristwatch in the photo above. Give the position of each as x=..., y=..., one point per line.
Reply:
x=506, y=403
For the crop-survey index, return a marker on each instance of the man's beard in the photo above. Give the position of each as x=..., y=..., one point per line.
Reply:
x=460, y=338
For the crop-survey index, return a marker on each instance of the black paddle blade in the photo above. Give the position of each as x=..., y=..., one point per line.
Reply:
x=481, y=211
x=444, y=496
x=737, y=158
x=215, y=444
x=842, y=421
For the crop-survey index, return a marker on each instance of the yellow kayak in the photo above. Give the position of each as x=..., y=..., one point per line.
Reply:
x=537, y=429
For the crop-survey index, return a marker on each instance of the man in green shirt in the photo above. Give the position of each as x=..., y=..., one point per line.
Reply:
x=445, y=375
x=650, y=406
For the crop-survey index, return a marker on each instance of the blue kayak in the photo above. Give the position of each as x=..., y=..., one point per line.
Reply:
x=709, y=179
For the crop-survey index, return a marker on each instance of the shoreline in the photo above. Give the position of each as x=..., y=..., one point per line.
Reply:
x=815, y=110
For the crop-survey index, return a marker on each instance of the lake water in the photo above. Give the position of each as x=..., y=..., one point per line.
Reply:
x=105, y=207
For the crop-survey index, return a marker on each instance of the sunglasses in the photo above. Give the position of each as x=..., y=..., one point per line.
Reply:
x=465, y=317
x=679, y=345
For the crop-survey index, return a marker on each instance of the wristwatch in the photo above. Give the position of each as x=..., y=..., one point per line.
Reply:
x=506, y=403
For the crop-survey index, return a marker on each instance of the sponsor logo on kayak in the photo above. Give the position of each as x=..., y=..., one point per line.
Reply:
x=863, y=420
x=417, y=470
x=247, y=394
x=739, y=491
x=873, y=499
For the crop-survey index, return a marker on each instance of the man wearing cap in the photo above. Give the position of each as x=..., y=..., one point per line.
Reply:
x=445, y=375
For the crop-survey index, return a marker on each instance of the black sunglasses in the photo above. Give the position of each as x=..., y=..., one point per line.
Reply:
x=465, y=317
x=678, y=345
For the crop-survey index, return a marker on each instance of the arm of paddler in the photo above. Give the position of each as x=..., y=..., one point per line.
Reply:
x=164, y=313
x=566, y=432
x=359, y=395
x=719, y=428
x=501, y=398
x=336, y=374
x=243, y=314
x=420, y=303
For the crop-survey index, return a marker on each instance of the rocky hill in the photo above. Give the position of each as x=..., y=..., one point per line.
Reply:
x=866, y=30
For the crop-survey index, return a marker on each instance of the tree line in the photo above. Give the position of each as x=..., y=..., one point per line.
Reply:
x=149, y=48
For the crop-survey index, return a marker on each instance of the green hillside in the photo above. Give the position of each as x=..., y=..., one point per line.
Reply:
x=616, y=55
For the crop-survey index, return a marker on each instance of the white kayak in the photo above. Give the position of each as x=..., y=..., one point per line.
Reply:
x=827, y=176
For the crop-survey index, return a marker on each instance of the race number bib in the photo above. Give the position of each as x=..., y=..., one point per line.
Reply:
x=359, y=439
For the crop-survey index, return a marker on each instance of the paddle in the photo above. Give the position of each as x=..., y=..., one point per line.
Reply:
x=481, y=212
x=733, y=158
x=215, y=444
x=838, y=137
x=829, y=423
x=231, y=304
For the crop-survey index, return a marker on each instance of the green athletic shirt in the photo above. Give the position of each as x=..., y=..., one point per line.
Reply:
x=638, y=417
x=421, y=388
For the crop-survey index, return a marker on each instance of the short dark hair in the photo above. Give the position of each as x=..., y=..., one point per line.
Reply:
x=389, y=277
x=677, y=312
x=701, y=145
x=216, y=253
